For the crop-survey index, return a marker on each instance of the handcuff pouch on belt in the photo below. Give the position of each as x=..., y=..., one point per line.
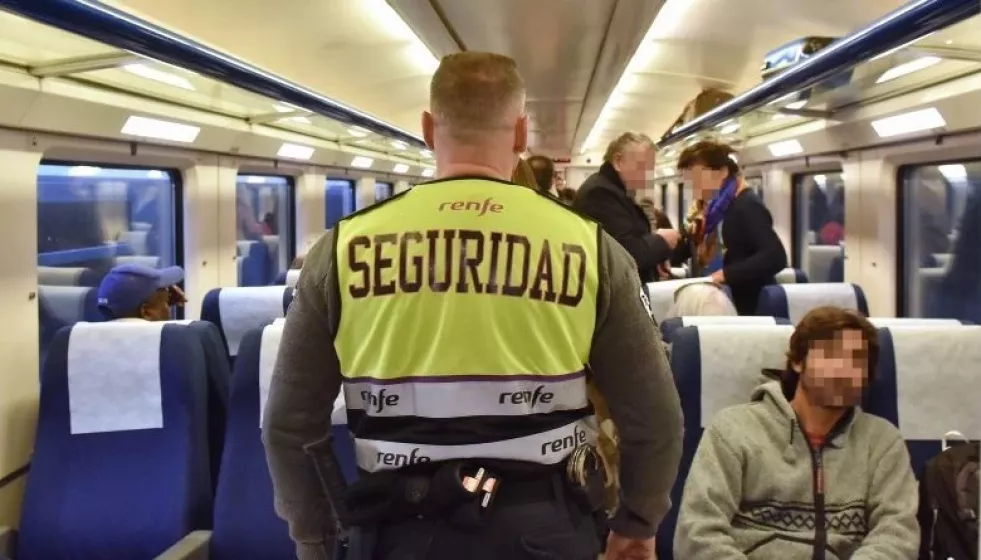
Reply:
x=587, y=477
x=392, y=496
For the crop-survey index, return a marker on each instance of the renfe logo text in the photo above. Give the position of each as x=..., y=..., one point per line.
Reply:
x=378, y=402
x=402, y=459
x=566, y=443
x=539, y=395
x=480, y=207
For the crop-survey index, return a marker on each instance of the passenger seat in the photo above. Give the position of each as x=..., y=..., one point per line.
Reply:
x=120, y=464
x=236, y=311
x=793, y=301
x=670, y=326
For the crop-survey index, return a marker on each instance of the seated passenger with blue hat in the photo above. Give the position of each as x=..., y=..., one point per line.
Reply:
x=800, y=472
x=140, y=293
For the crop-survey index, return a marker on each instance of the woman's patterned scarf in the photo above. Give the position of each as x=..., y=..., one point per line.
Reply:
x=704, y=221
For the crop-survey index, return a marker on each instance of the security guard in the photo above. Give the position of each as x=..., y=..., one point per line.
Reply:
x=463, y=318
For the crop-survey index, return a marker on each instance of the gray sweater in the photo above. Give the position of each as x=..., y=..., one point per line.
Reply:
x=627, y=361
x=750, y=492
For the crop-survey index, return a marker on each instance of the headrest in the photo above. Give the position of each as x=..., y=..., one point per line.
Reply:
x=662, y=295
x=141, y=260
x=60, y=276
x=66, y=304
x=292, y=277
x=244, y=247
x=801, y=298
x=268, y=351
x=732, y=360
x=936, y=380
x=880, y=322
x=727, y=320
x=114, y=376
x=244, y=309
x=790, y=276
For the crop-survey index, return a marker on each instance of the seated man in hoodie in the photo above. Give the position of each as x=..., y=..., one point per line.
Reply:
x=801, y=472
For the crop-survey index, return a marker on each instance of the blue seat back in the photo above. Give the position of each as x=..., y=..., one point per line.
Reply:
x=927, y=384
x=791, y=276
x=254, y=264
x=793, y=301
x=236, y=311
x=120, y=465
x=246, y=525
x=716, y=366
x=670, y=326
x=219, y=378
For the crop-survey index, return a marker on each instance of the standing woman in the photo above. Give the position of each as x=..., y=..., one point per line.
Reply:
x=731, y=220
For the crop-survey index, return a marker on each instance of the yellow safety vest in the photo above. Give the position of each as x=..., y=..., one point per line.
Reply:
x=466, y=304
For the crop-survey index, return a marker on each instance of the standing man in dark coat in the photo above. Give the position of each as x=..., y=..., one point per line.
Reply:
x=604, y=197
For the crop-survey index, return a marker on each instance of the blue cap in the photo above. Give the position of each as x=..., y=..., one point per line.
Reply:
x=128, y=286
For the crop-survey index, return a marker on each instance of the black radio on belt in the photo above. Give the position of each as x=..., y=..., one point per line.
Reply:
x=586, y=475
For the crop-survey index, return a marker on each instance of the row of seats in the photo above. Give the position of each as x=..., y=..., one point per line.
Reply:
x=924, y=368
x=789, y=301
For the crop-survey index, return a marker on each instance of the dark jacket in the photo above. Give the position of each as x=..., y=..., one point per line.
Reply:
x=603, y=197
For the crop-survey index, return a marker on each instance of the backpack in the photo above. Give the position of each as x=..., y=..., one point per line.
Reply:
x=949, y=504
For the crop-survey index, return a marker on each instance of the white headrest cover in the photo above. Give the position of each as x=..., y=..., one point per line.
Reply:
x=662, y=295
x=733, y=358
x=292, y=277
x=246, y=309
x=937, y=380
x=696, y=320
x=114, y=376
x=880, y=322
x=802, y=298
x=787, y=276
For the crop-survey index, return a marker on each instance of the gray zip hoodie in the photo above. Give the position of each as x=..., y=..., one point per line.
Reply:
x=755, y=489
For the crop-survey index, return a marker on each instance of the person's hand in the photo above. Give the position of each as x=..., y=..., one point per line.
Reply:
x=670, y=235
x=622, y=548
x=719, y=277
x=664, y=271
x=177, y=296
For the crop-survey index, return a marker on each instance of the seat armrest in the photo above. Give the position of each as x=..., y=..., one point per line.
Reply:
x=192, y=547
x=8, y=542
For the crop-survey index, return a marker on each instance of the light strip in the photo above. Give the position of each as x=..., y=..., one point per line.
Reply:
x=921, y=63
x=400, y=168
x=387, y=18
x=295, y=151
x=151, y=73
x=362, y=162
x=428, y=172
x=144, y=127
x=786, y=148
x=905, y=123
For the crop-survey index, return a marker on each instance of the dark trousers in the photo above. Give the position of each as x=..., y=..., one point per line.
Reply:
x=558, y=529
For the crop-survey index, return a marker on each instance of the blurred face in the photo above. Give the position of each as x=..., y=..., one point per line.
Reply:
x=635, y=165
x=157, y=308
x=835, y=371
x=704, y=181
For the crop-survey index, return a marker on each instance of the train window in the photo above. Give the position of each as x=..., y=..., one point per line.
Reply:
x=664, y=198
x=339, y=200
x=755, y=183
x=383, y=191
x=263, y=218
x=687, y=195
x=89, y=219
x=939, y=232
x=820, y=228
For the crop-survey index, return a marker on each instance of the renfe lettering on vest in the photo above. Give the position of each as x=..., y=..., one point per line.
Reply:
x=402, y=459
x=480, y=208
x=539, y=395
x=378, y=402
x=466, y=261
x=566, y=443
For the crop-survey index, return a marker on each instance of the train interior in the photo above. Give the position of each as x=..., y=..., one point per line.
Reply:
x=225, y=136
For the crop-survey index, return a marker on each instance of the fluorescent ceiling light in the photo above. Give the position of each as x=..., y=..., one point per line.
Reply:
x=151, y=73
x=796, y=105
x=728, y=127
x=908, y=68
x=400, y=168
x=428, y=172
x=426, y=154
x=295, y=151
x=84, y=171
x=395, y=27
x=786, y=148
x=358, y=132
x=953, y=172
x=905, y=123
x=284, y=108
x=155, y=174
x=362, y=162
x=398, y=144
x=161, y=130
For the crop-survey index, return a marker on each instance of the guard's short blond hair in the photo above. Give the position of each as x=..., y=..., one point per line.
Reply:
x=473, y=93
x=624, y=141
